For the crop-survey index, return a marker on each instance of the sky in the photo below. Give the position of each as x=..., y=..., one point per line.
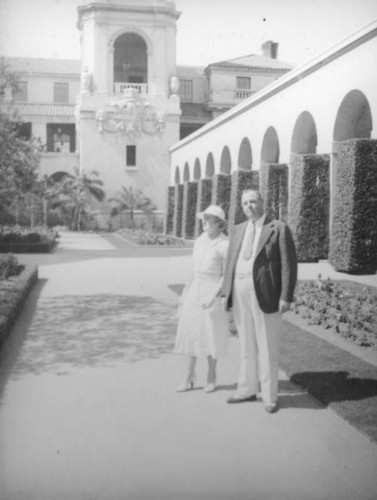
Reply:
x=207, y=30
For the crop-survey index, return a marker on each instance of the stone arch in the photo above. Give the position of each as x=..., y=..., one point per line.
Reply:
x=186, y=173
x=354, y=118
x=210, y=167
x=270, y=147
x=197, y=170
x=304, y=136
x=225, y=161
x=130, y=61
x=245, y=157
x=177, y=177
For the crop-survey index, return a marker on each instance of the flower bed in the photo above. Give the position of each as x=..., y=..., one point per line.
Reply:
x=347, y=308
x=20, y=240
x=143, y=237
x=15, y=283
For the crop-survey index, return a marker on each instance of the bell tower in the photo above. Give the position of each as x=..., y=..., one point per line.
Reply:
x=128, y=115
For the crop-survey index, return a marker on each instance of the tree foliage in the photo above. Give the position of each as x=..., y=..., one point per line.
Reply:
x=72, y=196
x=131, y=199
x=19, y=158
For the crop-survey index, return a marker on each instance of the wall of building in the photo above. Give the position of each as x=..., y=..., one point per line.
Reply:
x=318, y=88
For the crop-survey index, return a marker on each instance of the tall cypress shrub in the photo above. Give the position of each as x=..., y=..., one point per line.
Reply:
x=203, y=201
x=353, y=245
x=241, y=180
x=178, y=206
x=190, y=195
x=170, y=210
x=309, y=204
x=221, y=191
x=274, y=189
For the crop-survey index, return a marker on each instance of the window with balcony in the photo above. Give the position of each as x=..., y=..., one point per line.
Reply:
x=185, y=90
x=131, y=156
x=20, y=92
x=130, y=63
x=243, y=87
x=61, y=93
x=61, y=138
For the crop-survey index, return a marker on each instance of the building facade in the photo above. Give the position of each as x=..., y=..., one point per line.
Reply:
x=120, y=107
x=307, y=140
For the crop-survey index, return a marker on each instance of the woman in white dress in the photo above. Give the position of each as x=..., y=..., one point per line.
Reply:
x=203, y=326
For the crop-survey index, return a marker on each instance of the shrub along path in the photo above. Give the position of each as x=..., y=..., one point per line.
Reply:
x=88, y=407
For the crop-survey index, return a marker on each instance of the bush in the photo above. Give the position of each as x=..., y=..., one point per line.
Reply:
x=170, y=210
x=353, y=247
x=143, y=237
x=9, y=266
x=12, y=295
x=190, y=199
x=178, y=209
x=18, y=234
x=309, y=206
x=274, y=189
x=348, y=309
x=221, y=187
x=203, y=201
x=241, y=180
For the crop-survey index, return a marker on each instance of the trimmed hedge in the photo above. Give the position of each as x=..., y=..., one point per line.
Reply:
x=178, y=207
x=309, y=206
x=353, y=246
x=203, y=201
x=240, y=180
x=12, y=247
x=13, y=293
x=221, y=191
x=19, y=239
x=274, y=190
x=190, y=197
x=170, y=210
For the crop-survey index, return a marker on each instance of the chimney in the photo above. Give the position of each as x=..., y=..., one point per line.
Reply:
x=270, y=49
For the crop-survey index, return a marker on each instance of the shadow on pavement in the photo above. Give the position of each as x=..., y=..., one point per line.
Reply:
x=330, y=387
x=77, y=331
x=11, y=347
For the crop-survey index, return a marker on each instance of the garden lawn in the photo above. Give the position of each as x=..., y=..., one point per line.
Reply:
x=336, y=378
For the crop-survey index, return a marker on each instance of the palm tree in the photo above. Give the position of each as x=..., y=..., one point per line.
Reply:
x=75, y=193
x=130, y=199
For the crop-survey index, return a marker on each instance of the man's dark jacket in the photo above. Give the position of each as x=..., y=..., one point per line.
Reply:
x=275, y=265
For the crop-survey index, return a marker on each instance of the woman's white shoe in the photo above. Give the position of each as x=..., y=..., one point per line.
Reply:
x=188, y=385
x=210, y=387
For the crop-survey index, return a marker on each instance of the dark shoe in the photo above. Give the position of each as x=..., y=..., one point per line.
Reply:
x=273, y=408
x=235, y=399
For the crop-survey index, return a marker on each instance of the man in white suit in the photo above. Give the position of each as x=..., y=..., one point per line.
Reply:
x=259, y=283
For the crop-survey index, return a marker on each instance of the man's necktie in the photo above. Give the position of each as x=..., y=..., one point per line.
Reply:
x=248, y=248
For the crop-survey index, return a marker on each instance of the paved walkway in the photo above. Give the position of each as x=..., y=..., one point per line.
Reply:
x=88, y=408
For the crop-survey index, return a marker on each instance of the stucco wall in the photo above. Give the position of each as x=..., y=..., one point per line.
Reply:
x=317, y=87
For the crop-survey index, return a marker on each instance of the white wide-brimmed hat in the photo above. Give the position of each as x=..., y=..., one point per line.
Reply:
x=212, y=210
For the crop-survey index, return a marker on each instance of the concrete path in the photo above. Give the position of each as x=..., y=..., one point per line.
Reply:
x=88, y=407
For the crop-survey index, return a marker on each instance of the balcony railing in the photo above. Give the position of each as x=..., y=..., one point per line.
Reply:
x=120, y=87
x=228, y=97
x=242, y=93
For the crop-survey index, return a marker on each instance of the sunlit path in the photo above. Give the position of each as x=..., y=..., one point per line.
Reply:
x=88, y=407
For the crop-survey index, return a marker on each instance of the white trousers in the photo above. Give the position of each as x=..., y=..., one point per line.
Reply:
x=259, y=336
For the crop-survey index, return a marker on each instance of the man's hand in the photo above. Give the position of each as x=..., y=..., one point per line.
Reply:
x=284, y=306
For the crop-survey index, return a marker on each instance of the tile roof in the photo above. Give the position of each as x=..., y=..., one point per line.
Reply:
x=33, y=65
x=32, y=109
x=254, y=61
